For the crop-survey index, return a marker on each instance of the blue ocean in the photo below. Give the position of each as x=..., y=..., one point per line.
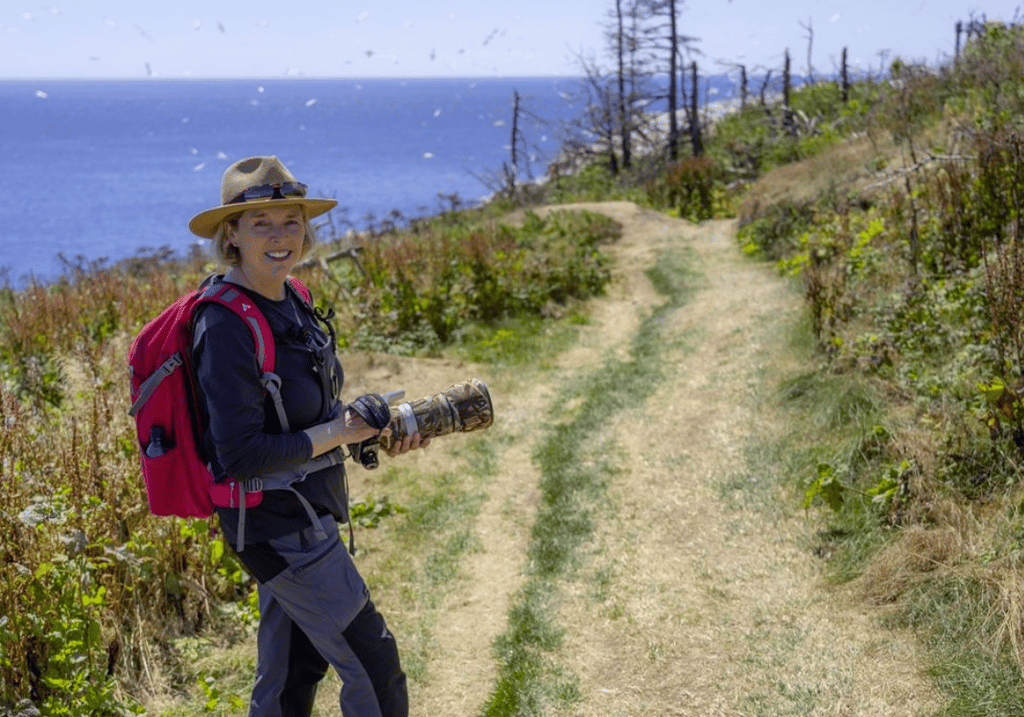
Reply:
x=99, y=170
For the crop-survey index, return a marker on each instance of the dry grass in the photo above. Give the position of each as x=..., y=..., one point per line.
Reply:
x=912, y=559
x=856, y=164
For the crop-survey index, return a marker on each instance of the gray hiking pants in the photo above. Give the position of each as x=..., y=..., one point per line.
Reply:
x=317, y=613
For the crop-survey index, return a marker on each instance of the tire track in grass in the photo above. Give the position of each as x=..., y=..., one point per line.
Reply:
x=575, y=464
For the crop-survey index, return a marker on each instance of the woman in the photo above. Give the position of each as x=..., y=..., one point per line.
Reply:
x=315, y=609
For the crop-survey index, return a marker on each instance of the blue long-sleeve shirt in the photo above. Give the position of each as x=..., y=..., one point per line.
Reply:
x=242, y=435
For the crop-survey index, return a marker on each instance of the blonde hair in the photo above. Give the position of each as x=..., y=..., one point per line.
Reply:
x=228, y=252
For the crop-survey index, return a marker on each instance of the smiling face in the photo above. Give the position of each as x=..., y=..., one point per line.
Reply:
x=270, y=243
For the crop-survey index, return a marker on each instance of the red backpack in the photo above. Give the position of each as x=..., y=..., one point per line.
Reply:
x=166, y=409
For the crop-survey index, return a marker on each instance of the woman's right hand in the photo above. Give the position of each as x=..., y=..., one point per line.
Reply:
x=408, y=443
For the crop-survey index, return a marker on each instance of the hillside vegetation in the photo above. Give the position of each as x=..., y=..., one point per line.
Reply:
x=906, y=236
x=898, y=210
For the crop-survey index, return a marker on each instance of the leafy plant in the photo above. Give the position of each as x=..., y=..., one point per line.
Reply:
x=64, y=643
x=369, y=513
x=216, y=696
x=686, y=187
x=774, y=235
x=825, y=486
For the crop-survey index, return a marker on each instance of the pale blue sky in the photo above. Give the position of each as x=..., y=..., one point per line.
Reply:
x=418, y=38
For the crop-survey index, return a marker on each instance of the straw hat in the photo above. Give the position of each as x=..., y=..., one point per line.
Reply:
x=254, y=181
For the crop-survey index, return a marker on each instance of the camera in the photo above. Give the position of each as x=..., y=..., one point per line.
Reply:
x=460, y=408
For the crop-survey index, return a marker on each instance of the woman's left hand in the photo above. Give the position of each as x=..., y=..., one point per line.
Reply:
x=407, y=444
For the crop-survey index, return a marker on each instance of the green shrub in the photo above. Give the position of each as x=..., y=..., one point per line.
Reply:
x=776, y=235
x=426, y=288
x=687, y=188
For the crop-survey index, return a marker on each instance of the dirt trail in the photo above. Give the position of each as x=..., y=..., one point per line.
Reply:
x=712, y=603
x=723, y=610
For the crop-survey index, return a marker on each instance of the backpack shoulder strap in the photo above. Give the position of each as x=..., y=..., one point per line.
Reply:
x=301, y=290
x=246, y=309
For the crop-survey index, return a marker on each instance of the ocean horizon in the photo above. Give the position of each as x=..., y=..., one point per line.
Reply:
x=110, y=169
x=107, y=169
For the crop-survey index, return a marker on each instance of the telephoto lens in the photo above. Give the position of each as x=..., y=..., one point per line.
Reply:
x=460, y=408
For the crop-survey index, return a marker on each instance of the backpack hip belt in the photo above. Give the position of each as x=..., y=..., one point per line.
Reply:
x=231, y=493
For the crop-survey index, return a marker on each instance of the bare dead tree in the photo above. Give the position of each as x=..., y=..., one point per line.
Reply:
x=844, y=74
x=644, y=43
x=743, y=87
x=696, y=139
x=883, y=61
x=615, y=99
x=763, y=95
x=673, y=127
x=671, y=45
x=522, y=153
x=627, y=151
x=744, y=82
x=626, y=42
x=520, y=146
x=594, y=132
x=512, y=173
x=809, y=27
x=787, y=92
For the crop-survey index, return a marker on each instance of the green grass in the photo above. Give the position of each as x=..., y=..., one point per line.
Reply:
x=954, y=615
x=521, y=341
x=426, y=548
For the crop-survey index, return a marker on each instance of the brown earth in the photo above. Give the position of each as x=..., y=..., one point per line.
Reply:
x=712, y=602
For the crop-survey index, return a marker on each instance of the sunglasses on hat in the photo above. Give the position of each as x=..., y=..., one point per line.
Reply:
x=284, y=190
